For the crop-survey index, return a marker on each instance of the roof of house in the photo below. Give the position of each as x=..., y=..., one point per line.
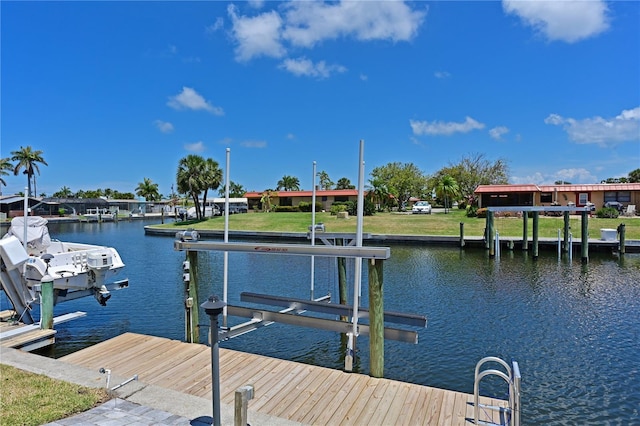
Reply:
x=560, y=188
x=319, y=193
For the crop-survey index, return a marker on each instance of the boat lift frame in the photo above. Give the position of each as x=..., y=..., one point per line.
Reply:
x=260, y=317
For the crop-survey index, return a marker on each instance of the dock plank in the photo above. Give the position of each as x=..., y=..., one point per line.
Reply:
x=299, y=392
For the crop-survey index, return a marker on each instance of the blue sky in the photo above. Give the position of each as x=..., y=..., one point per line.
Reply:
x=113, y=92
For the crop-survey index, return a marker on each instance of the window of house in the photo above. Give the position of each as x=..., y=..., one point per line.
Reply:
x=546, y=197
x=342, y=198
x=624, y=196
x=583, y=198
x=610, y=196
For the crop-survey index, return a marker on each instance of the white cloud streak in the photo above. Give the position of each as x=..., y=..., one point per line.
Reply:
x=497, y=132
x=164, y=126
x=604, y=132
x=305, y=67
x=190, y=99
x=195, y=147
x=444, y=128
x=569, y=21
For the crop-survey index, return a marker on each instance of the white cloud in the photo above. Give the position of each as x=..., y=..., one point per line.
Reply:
x=190, y=99
x=195, y=147
x=575, y=176
x=364, y=77
x=568, y=21
x=305, y=67
x=307, y=23
x=579, y=175
x=217, y=25
x=444, y=128
x=497, y=132
x=257, y=36
x=602, y=131
x=442, y=74
x=164, y=126
x=254, y=144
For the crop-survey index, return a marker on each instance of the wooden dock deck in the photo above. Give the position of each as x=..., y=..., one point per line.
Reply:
x=299, y=392
x=16, y=335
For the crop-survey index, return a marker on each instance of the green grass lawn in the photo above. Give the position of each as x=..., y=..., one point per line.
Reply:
x=409, y=224
x=34, y=399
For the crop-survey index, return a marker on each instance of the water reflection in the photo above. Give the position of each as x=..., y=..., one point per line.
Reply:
x=573, y=328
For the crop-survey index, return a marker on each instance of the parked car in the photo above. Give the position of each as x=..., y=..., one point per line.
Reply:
x=421, y=207
x=616, y=205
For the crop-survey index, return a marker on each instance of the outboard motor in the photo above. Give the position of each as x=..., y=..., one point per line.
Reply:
x=98, y=264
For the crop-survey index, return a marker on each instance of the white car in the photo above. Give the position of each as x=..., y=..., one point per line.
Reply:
x=421, y=207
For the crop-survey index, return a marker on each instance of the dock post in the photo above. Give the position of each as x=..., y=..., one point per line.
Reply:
x=621, y=231
x=214, y=307
x=342, y=279
x=461, y=234
x=536, y=220
x=242, y=397
x=192, y=333
x=490, y=229
x=525, y=237
x=46, y=302
x=567, y=228
x=376, y=319
x=584, y=243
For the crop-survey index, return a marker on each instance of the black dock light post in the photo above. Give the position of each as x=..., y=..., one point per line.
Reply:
x=213, y=307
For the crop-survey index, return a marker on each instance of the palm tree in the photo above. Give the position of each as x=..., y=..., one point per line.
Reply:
x=212, y=176
x=344, y=183
x=65, y=192
x=266, y=199
x=4, y=166
x=235, y=190
x=378, y=193
x=28, y=160
x=148, y=190
x=325, y=181
x=190, y=179
x=288, y=183
x=447, y=188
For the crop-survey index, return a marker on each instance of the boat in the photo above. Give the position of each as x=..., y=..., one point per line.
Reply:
x=98, y=215
x=29, y=256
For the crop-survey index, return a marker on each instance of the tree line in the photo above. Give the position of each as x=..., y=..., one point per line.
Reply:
x=390, y=185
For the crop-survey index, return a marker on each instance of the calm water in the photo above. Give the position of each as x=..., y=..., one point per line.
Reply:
x=574, y=329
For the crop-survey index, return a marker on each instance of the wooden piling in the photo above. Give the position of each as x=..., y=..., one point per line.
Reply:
x=525, y=237
x=192, y=332
x=342, y=278
x=536, y=222
x=621, y=231
x=461, y=234
x=376, y=319
x=567, y=228
x=584, y=243
x=490, y=240
x=46, y=303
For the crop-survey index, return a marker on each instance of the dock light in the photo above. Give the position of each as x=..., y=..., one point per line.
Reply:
x=214, y=307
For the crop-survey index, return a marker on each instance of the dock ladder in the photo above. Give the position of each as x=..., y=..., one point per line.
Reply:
x=512, y=377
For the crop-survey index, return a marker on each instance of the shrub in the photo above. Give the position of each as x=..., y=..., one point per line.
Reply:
x=306, y=206
x=472, y=211
x=286, y=209
x=481, y=213
x=337, y=207
x=607, y=212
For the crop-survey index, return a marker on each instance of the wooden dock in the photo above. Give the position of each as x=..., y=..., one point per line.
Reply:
x=299, y=392
x=14, y=334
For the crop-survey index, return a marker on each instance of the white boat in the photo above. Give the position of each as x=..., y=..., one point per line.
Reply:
x=98, y=215
x=76, y=269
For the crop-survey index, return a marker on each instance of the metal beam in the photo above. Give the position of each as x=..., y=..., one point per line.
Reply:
x=330, y=308
x=320, y=323
x=291, y=249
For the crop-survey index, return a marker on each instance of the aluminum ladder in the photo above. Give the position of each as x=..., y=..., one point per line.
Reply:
x=512, y=377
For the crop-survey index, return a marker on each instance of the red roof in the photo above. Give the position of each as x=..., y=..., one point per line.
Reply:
x=319, y=193
x=560, y=188
x=506, y=188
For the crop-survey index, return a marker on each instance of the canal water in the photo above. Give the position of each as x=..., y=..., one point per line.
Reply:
x=574, y=329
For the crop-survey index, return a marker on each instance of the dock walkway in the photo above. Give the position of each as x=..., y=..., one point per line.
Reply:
x=284, y=389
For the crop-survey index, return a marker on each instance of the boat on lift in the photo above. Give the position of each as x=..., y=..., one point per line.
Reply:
x=28, y=254
x=98, y=215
